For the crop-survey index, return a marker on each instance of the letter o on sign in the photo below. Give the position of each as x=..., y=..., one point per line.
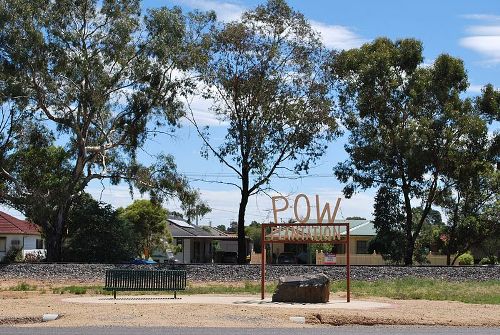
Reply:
x=295, y=207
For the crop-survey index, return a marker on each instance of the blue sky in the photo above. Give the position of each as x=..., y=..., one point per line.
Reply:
x=469, y=30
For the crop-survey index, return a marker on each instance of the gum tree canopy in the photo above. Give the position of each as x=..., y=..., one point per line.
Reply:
x=266, y=80
x=407, y=123
x=98, y=76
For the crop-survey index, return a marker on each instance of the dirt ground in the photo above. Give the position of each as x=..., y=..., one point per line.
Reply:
x=22, y=308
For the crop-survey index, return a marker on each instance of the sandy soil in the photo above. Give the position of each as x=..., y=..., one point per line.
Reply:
x=26, y=308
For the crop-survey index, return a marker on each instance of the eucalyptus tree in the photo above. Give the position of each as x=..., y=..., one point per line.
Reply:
x=100, y=75
x=405, y=120
x=193, y=206
x=266, y=79
x=473, y=178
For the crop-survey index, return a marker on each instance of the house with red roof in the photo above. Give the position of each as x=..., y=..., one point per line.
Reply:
x=21, y=234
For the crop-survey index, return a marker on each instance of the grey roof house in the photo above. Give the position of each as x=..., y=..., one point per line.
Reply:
x=199, y=244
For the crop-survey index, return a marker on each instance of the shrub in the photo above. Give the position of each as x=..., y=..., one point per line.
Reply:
x=490, y=260
x=23, y=287
x=13, y=255
x=34, y=257
x=466, y=259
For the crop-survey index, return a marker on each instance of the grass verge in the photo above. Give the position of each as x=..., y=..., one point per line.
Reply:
x=484, y=292
x=23, y=286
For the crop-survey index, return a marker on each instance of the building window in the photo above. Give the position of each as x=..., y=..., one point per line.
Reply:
x=361, y=247
x=39, y=243
x=15, y=243
x=3, y=244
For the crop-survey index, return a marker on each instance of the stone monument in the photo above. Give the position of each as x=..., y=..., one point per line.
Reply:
x=303, y=289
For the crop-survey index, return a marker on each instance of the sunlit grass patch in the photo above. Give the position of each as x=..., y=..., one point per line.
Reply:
x=23, y=286
x=479, y=292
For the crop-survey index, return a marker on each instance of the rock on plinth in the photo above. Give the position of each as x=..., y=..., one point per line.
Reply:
x=303, y=289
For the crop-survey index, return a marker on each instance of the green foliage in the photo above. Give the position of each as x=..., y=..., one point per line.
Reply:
x=96, y=234
x=70, y=289
x=216, y=246
x=266, y=78
x=14, y=254
x=472, y=205
x=177, y=248
x=100, y=75
x=389, y=224
x=149, y=222
x=407, y=124
x=472, y=292
x=466, y=259
x=491, y=260
x=193, y=206
x=254, y=231
x=223, y=288
x=23, y=286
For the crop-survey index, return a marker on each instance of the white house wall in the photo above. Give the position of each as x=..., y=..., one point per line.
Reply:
x=26, y=242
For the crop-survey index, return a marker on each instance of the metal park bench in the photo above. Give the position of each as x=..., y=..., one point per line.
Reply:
x=145, y=280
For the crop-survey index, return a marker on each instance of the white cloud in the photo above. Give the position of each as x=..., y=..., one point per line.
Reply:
x=338, y=37
x=474, y=88
x=484, y=39
x=484, y=30
x=488, y=46
x=200, y=108
x=482, y=17
x=334, y=36
x=226, y=11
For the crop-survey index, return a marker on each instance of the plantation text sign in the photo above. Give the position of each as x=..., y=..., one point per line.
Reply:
x=320, y=228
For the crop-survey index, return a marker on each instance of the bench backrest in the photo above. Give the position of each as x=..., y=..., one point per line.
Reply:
x=138, y=280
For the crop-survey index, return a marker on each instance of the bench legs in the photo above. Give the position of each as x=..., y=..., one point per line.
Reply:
x=114, y=294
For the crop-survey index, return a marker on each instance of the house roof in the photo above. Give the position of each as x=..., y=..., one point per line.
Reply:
x=180, y=228
x=12, y=225
x=363, y=229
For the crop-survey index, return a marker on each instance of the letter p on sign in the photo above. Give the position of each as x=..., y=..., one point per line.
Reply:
x=276, y=210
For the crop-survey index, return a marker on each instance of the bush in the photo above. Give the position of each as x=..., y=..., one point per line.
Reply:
x=490, y=260
x=34, y=257
x=466, y=259
x=96, y=234
x=13, y=255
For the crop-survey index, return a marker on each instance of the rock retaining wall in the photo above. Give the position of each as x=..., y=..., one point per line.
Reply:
x=224, y=272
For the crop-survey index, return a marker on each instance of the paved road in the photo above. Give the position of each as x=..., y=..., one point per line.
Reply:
x=247, y=331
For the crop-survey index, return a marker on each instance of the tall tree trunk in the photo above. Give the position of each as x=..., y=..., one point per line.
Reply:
x=409, y=245
x=54, y=247
x=242, y=243
x=55, y=235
